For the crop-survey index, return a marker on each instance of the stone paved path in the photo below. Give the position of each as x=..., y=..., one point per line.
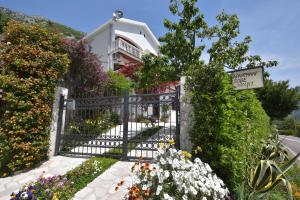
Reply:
x=103, y=187
x=54, y=166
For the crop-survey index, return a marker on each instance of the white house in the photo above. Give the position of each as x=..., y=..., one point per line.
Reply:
x=121, y=42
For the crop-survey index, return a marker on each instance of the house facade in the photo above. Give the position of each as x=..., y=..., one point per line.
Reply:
x=121, y=42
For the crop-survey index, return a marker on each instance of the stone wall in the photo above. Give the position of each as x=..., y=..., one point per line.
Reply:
x=55, y=110
x=186, y=111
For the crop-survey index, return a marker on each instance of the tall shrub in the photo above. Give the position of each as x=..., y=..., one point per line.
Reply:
x=85, y=73
x=118, y=81
x=32, y=60
x=228, y=125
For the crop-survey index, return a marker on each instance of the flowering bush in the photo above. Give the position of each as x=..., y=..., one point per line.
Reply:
x=32, y=60
x=174, y=177
x=43, y=188
x=64, y=186
x=85, y=74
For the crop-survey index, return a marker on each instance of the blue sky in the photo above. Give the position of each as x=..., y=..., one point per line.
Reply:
x=274, y=25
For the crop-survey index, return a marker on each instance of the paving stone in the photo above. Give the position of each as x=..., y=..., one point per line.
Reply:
x=91, y=197
x=107, y=176
x=101, y=192
x=3, y=181
x=117, y=195
x=84, y=192
x=26, y=180
x=2, y=189
x=99, y=183
x=13, y=185
x=76, y=198
x=104, y=185
x=40, y=171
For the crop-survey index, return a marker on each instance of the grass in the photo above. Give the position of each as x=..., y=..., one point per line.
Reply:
x=134, y=141
x=84, y=174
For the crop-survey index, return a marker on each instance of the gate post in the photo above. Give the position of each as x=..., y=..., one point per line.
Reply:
x=177, y=106
x=59, y=124
x=125, y=124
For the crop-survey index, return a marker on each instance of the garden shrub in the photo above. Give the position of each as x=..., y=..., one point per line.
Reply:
x=228, y=125
x=85, y=75
x=32, y=60
x=118, y=82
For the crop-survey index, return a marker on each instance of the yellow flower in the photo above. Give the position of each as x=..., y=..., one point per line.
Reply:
x=171, y=142
x=186, y=154
x=162, y=145
x=198, y=150
x=54, y=197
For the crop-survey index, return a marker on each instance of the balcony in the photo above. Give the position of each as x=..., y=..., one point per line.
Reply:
x=129, y=49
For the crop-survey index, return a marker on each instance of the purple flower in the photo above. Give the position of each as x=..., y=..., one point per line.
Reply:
x=61, y=184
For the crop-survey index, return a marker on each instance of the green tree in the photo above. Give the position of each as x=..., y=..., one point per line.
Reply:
x=187, y=39
x=156, y=70
x=179, y=49
x=278, y=99
x=118, y=81
x=228, y=124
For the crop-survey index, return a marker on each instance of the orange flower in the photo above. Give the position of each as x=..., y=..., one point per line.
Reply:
x=147, y=164
x=147, y=192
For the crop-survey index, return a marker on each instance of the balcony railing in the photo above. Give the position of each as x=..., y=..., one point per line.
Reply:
x=121, y=44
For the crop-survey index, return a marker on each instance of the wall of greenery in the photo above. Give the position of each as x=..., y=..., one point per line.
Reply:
x=227, y=125
x=32, y=60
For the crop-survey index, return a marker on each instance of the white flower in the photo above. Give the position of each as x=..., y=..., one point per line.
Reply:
x=152, y=173
x=144, y=187
x=137, y=181
x=190, y=178
x=193, y=190
x=149, y=184
x=167, y=174
x=8, y=43
x=167, y=197
x=24, y=195
x=176, y=163
x=162, y=161
x=158, y=190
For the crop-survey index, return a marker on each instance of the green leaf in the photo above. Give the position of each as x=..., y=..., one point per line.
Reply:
x=287, y=166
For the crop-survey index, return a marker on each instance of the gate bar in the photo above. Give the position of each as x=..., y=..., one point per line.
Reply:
x=125, y=124
x=177, y=107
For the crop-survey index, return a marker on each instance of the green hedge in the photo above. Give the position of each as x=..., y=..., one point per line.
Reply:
x=228, y=125
x=32, y=60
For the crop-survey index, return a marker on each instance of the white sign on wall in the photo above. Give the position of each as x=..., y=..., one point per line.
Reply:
x=248, y=78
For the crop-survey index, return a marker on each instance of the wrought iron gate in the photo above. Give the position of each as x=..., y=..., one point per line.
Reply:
x=121, y=125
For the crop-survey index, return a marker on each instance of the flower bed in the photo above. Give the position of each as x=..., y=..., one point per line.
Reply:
x=173, y=176
x=64, y=186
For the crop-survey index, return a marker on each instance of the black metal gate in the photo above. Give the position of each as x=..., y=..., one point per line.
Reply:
x=121, y=125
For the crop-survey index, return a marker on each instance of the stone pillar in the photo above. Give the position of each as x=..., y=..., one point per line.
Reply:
x=55, y=110
x=186, y=111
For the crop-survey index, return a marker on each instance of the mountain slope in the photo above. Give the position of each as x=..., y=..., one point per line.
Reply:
x=7, y=14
